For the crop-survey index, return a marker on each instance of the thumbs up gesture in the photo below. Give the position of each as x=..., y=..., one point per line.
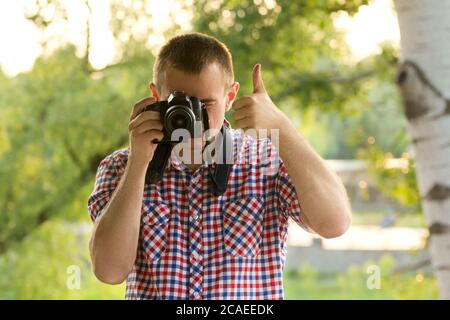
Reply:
x=257, y=111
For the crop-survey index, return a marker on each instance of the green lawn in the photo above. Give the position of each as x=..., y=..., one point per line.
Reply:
x=306, y=283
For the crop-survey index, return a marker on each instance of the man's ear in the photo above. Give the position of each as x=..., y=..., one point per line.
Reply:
x=155, y=92
x=231, y=95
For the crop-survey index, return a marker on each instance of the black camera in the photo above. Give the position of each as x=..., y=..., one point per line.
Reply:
x=178, y=112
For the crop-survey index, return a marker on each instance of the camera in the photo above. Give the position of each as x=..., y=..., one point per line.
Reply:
x=179, y=111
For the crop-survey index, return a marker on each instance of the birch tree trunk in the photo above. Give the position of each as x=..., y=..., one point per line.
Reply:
x=424, y=82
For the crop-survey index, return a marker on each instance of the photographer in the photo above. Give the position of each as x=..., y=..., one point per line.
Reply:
x=177, y=239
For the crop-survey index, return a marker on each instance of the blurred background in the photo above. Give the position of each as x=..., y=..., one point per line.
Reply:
x=72, y=69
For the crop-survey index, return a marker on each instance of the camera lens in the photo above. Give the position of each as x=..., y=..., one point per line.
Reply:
x=179, y=121
x=179, y=117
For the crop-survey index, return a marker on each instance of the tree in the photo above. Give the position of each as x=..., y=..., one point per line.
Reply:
x=424, y=82
x=60, y=119
x=296, y=41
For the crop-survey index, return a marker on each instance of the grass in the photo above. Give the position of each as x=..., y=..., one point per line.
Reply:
x=306, y=283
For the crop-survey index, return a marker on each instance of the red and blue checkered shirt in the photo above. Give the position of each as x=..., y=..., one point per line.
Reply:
x=194, y=245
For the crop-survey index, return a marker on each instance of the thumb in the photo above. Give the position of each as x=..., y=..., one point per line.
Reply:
x=258, y=84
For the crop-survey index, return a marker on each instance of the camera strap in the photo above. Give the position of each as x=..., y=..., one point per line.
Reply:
x=221, y=174
x=155, y=169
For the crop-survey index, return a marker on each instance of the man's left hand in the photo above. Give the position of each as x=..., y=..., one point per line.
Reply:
x=257, y=111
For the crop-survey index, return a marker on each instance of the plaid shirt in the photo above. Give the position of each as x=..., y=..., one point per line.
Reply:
x=194, y=245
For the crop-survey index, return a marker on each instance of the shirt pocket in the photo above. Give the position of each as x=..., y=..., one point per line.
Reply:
x=154, y=228
x=242, y=226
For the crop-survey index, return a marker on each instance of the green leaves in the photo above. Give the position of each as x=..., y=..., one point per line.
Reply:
x=295, y=40
x=58, y=122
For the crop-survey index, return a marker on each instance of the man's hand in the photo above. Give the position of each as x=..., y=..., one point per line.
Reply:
x=257, y=111
x=143, y=128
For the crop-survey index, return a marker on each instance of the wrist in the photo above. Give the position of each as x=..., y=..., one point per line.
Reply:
x=289, y=139
x=286, y=129
x=286, y=126
x=137, y=165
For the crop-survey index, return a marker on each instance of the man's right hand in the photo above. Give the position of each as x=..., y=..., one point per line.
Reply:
x=117, y=228
x=143, y=128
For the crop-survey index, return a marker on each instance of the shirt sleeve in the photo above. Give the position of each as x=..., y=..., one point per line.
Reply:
x=288, y=200
x=106, y=181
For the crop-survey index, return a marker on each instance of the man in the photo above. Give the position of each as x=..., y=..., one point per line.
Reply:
x=175, y=239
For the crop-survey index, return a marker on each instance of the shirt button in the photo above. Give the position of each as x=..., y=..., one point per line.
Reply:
x=195, y=216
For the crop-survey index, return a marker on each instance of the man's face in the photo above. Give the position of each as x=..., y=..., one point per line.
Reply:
x=209, y=86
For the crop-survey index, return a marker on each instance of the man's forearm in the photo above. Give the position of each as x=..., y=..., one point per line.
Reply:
x=322, y=196
x=116, y=232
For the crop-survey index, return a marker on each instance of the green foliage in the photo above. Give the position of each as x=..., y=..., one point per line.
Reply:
x=39, y=266
x=399, y=183
x=296, y=42
x=57, y=122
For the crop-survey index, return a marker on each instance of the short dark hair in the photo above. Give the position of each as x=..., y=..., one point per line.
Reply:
x=191, y=53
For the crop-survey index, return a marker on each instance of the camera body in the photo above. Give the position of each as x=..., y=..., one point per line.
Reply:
x=178, y=112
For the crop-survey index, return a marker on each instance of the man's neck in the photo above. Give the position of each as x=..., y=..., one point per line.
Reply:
x=193, y=166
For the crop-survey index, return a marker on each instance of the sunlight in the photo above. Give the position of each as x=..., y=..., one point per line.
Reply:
x=370, y=27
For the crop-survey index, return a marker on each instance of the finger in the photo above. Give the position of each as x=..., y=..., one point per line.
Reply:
x=141, y=104
x=147, y=125
x=244, y=123
x=242, y=113
x=242, y=102
x=258, y=84
x=153, y=135
x=145, y=116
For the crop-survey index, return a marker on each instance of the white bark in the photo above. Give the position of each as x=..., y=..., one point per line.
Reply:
x=424, y=81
